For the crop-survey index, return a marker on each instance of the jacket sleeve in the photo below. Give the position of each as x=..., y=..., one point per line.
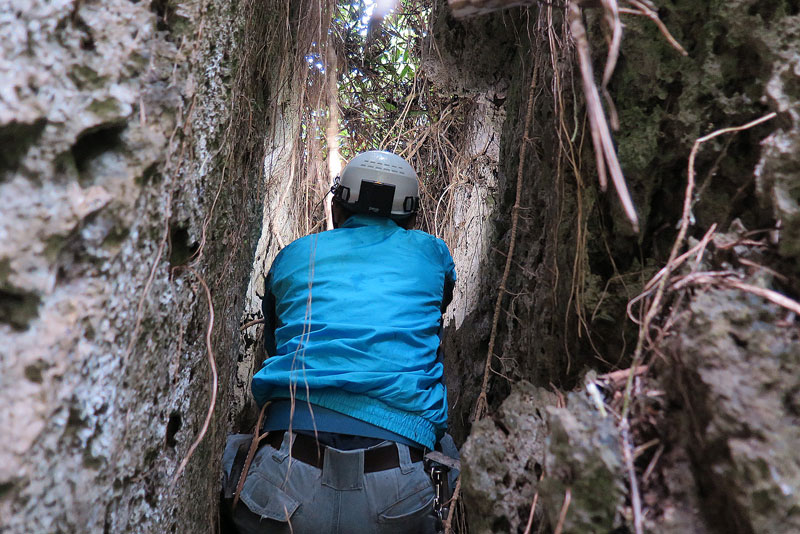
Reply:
x=270, y=318
x=449, y=276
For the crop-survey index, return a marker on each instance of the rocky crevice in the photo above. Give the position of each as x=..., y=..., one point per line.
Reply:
x=147, y=145
x=579, y=264
x=131, y=176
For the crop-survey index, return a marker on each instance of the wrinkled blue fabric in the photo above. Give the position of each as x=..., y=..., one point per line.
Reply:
x=357, y=319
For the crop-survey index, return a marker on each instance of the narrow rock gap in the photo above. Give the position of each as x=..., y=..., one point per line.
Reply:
x=157, y=155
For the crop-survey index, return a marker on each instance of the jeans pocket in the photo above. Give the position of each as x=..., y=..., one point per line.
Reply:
x=412, y=506
x=264, y=498
x=230, y=473
x=411, y=514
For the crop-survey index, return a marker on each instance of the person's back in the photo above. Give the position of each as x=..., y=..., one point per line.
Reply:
x=353, y=319
x=359, y=310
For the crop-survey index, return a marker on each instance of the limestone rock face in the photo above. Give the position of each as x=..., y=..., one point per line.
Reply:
x=738, y=385
x=116, y=177
x=503, y=459
x=577, y=264
x=583, y=458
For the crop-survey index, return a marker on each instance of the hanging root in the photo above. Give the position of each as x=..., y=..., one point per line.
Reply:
x=213, y=368
x=605, y=155
x=532, y=513
x=642, y=9
x=251, y=452
x=562, y=516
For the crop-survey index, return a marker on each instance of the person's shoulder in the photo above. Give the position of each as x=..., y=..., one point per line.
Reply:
x=430, y=240
x=311, y=240
x=302, y=245
x=422, y=235
x=425, y=235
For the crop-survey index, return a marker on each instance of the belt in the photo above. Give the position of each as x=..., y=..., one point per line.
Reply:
x=307, y=450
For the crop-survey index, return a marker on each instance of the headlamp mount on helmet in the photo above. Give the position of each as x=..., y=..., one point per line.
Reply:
x=378, y=183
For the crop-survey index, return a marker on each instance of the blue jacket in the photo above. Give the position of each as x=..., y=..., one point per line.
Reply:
x=356, y=316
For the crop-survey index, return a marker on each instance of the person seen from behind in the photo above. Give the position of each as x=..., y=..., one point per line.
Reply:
x=353, y=379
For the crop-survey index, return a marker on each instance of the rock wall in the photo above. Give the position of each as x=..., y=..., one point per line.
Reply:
x=476, y=60
x=736, y=384
x=132, y=182
x=492, y=59
x=578, y=263
x=145, y=145
x=295, y=182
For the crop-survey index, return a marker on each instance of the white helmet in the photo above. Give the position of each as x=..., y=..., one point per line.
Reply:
x=378, y=183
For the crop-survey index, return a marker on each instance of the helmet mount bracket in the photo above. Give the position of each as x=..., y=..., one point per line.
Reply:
x=375, y=198
x=378, y=183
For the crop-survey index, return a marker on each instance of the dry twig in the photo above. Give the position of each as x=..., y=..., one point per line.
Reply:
x=652, y=284
x=612, y=20
x=759, y=267
x=726, y=278
x=636, y=501
x=619, y=376
x=257, y=437
x=653, y=462
x=642, y=9
x=641, y=449
x=248, y=324
x=532, y=514
x=448, y=523
x=655, y=305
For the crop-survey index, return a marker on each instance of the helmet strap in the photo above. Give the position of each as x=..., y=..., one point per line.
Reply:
x=340, y=192
x=411, y=204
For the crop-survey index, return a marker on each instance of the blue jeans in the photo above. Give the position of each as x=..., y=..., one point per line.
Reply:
x=284, y=495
